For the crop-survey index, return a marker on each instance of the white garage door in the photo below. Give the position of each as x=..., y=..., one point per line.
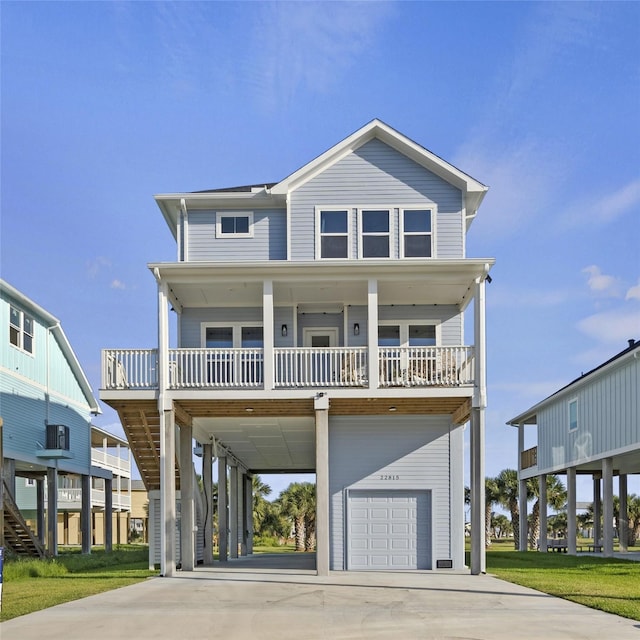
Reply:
x=389, y=530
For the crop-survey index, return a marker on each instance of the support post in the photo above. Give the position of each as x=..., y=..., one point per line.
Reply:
x=167, y=494
x=607, y=507
x=40, y=509
x=207, y=481
x=52, y=511
x=223, y=511
x=372, y=334
x=597, y=509
x=108, y=515
x=268, y=365
x=321, y=407
x=542, y=538
x=249, y=512
x=85, y=514
x=571, y=510
x=524, y=516
x=242, y=512
x=233, y=511
x=623, y=516
x=152, y=533
x=187, y=546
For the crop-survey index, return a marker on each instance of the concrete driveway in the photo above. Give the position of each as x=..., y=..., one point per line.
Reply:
x=282, y=598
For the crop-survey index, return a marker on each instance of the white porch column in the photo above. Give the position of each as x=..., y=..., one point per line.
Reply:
x=151, y=529
x=478, y=532
x=267, y=334
x=207, y=482
x=607, y=506
x=623, y=516
x=167, y=494
x=248, y=500
x=85, y=514
x=233, y=512
x=223, y=510
x=372, y=334
x=597, y=509
x=187, y=520
x=571, y=510
x=542, y=540
x=321, y=407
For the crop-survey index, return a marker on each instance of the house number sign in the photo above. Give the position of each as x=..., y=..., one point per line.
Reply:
x=386, y=476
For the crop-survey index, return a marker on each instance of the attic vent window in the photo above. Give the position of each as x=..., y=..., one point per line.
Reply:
x=21, y=330
x=234, y=225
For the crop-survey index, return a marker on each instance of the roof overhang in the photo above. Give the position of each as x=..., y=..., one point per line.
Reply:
x=344, y=282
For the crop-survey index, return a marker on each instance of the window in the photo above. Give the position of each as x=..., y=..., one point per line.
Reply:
x=21, y=330
x=29, y=482
x=234, y=225
x=333, y=234
x=422, y=335
x=573, y=414
x=416, y=230
x=374, y=233
x=389, y=336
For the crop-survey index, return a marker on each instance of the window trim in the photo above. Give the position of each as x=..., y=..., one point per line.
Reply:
x=233, y=214
x=418, y=207
x=404, y=328
x=319, y=235
x=573, y=401
x=236, y=332
x=389, y=234
x=21, y=331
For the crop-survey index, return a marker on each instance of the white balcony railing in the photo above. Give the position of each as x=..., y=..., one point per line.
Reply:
x=293, y=367
x=120, y=466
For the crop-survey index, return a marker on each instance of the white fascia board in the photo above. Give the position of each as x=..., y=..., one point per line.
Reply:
x=472, y=189
x=349, y=269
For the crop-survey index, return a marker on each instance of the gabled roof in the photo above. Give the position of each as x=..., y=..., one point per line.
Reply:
x=529, y=416
x=472, y=190
x=56, y=329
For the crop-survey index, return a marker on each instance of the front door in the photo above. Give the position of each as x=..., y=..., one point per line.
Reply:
x=320, y=365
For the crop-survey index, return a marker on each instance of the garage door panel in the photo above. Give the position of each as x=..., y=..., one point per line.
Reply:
x=389, y=530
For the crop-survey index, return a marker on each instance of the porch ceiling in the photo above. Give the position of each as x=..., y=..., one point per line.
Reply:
x=342, y=282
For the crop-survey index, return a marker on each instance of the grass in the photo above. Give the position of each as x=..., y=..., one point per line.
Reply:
x=607, y=584
x=30, y=585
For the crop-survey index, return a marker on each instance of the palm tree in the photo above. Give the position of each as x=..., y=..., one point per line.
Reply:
x=556, y=498
x=507, y=484
x=500, y=525
x=259, y=503
x=633, y=515
x=491, y=497
x=298, y=502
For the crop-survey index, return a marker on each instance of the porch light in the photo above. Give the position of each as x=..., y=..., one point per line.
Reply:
x=356, y=329
x=284, y=331
x=249, y=409
x=393, y=409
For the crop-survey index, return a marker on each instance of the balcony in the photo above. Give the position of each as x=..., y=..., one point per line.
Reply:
x=529, y=458
x=294, y=368
x=70, y=499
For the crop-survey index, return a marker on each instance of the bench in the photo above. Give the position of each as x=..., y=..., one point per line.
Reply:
x=596, y=548
x=558, y=546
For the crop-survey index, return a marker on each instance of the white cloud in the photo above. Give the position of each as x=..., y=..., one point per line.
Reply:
x=96, y=265
x=309, y=44
x=613, y=327
x=600, y=283
x=604, y=208
x=634, y=292
x=117, y=284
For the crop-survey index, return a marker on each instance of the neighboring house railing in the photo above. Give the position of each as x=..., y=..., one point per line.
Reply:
x=120, y=466
x=297, y=367
x=72, y=499
x=529, y=458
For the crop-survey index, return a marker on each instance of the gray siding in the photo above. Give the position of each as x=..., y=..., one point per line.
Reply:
x=608, y=419
x=420, y=450
x=376, y=174
x=269, y=241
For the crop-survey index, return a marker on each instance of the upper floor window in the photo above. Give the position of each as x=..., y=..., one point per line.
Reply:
x=416, y=233
x=21, y=330
x=234, y=225
x=333, y=233
x=573, y=414
x=375, y=233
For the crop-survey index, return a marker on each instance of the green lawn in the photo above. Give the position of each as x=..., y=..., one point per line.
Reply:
x=30, y=585
x=607, y=584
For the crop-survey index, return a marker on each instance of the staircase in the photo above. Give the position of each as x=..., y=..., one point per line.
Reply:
x=18, y=537
x=141, y=424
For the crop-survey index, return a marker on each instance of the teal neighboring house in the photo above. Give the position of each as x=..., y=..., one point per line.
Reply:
x=46, y=406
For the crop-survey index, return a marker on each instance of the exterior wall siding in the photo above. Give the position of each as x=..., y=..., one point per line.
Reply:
x=423, y=452
x=608, y=419
x=376, y=174
x=269, y=241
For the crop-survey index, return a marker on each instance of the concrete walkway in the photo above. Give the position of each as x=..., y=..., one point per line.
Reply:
x=281, y=598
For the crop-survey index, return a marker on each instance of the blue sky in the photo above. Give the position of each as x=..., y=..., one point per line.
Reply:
x=105, y=104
